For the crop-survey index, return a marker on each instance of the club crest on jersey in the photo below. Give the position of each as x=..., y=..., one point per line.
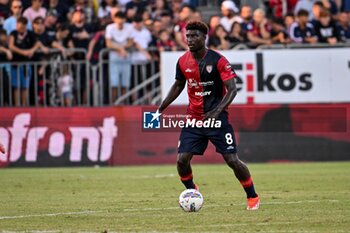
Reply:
x=209, y=68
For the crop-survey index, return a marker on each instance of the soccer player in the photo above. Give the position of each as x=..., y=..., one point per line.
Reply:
x=211, y=88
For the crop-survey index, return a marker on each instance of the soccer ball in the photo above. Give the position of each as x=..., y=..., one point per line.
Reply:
x=191, y=200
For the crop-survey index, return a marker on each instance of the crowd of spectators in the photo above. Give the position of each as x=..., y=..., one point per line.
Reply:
x=130, y=27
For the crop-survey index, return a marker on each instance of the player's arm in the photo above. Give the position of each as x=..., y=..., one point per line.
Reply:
x=226, y=101
x=174, y=92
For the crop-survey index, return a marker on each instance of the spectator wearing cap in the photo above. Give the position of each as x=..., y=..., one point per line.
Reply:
x=40, y=32
x=302, y=31
x=344, y=26
x=185, y=14
x=50, y=22
x=16, y=11
x=326, y=29
x=229, y=13
x=119, y=38
x=259, y=29
x=61, y=9
x=36, y=10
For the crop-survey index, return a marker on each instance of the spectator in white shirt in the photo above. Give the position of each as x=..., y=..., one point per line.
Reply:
x=36, y=10
x=65, y=85
x=229, y=12
x=119, y=39
x=142, y=37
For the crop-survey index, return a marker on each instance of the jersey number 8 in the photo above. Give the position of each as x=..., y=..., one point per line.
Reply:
x=229, y=138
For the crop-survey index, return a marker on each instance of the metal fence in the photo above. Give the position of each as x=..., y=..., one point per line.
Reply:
x=54, y=80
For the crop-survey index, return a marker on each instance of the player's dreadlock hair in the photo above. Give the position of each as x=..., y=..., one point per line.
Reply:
x=197, y=25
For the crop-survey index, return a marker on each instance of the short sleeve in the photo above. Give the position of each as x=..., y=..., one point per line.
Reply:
x=179, y=75
x=108, y=32
x=225, y=69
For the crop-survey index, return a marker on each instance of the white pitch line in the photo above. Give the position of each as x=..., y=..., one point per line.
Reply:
x=235, y=204
x=160, y=176
x=49, y=215
x=31, y=231
x=156, y=209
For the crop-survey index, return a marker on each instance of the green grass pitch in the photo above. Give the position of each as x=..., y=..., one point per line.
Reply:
x=295, y=197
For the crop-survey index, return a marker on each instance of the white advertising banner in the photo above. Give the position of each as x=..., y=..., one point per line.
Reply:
x=279, y=76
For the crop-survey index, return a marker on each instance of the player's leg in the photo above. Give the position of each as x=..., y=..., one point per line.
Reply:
x=242, y=173
x=184, y=169
x=191, y=142
x=224, y=140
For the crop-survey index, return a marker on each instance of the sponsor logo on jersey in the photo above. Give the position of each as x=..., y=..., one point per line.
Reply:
x=188, y=70
x=204, y=93
x=208, y=83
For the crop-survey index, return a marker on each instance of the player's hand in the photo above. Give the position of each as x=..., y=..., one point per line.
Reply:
x=2, y=149
x=212, y=114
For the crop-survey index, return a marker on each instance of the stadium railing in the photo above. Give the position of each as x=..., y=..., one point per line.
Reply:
x=303, y=46
x=144, y=80
x=91, y=86
x=41, y=76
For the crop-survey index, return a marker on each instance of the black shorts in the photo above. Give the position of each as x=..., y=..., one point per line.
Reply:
x=195, y=140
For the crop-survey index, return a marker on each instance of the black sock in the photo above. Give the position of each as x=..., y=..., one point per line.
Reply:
x=188, y=181
x=249, y=187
